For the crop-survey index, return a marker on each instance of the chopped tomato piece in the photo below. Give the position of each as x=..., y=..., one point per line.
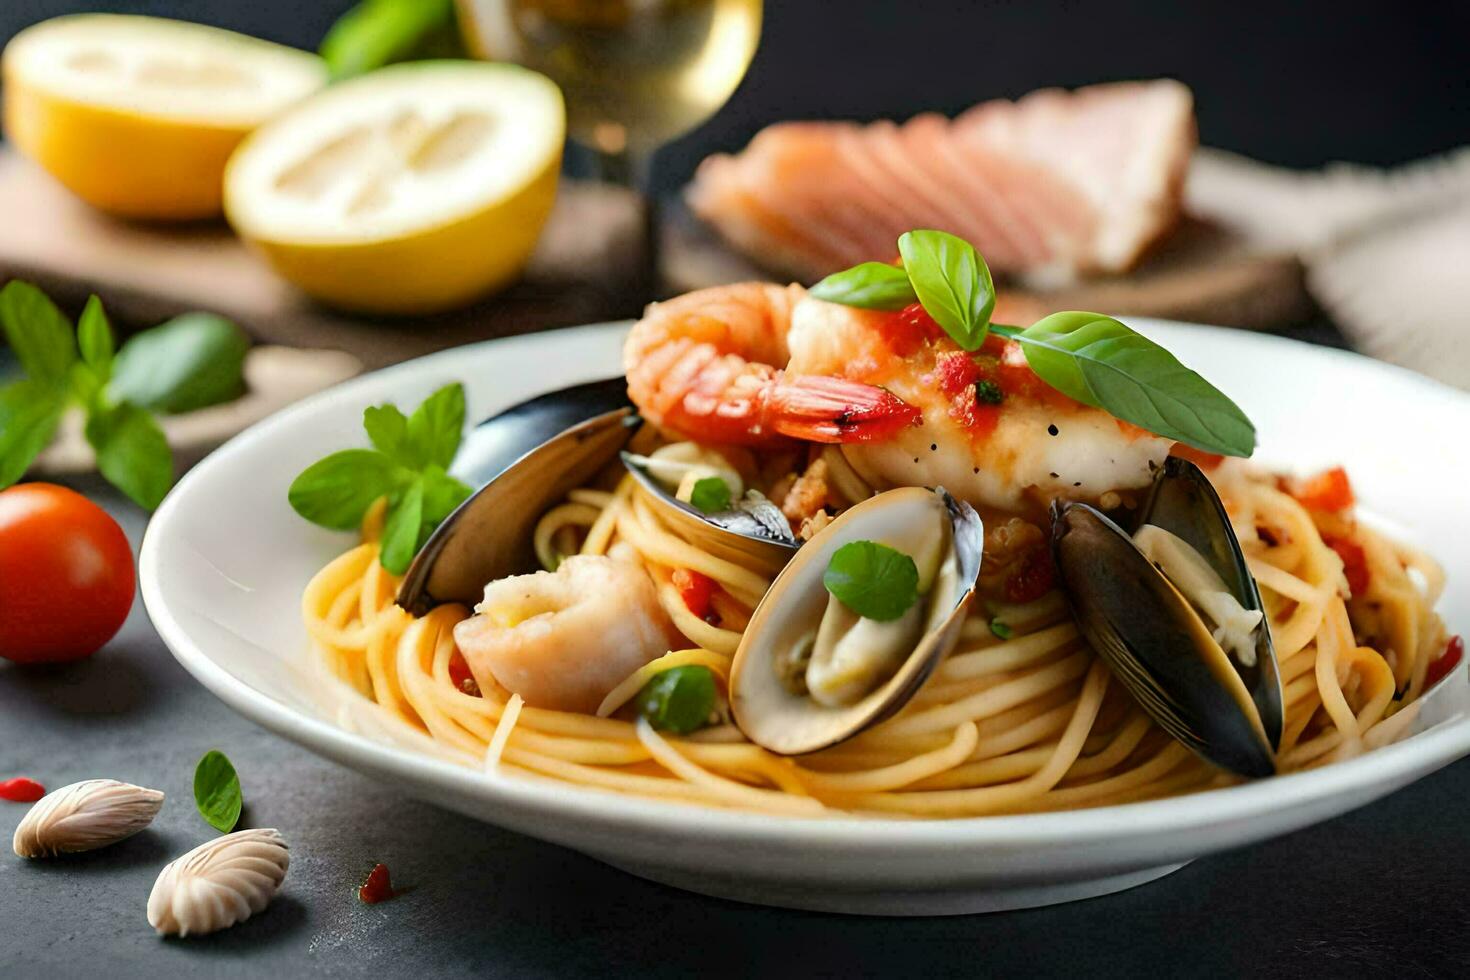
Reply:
x=955, y=371
x=1354, y=563
x=21, y=790
x=1033, y=578
x=1328, y=490
x=378, y=887
x=1199, y=457
x=459, y=673
x=1439, y=669
x=696, y=589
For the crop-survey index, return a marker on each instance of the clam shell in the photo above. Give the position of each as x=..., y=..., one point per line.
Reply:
x=789, y=724
x=85, y=816
x=218, y=884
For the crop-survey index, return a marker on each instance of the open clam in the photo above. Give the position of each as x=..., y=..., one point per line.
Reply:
x=1175, y=612
x=810, y=672
x=749, y=527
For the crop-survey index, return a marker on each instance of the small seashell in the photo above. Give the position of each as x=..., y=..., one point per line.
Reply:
x=85, y=816
x=219, y=883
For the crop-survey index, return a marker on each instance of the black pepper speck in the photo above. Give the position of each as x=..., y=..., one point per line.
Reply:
x=1053, y=430
x=933, y=447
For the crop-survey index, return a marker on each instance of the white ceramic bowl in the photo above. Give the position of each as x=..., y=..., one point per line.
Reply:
x=225, y=560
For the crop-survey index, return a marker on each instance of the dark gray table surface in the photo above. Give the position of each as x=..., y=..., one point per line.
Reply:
x=1381, y=891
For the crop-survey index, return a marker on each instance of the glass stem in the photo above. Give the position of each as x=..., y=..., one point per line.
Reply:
x=634, y=170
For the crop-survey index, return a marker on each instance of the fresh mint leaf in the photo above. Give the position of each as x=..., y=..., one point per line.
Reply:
x=29, y=414
x=873, y=580
x=336, y=492
x=38, y=332
x=191, y=362
x=94, y=337
x=679, y=700
x=1099, y=361
x=387, y=428
x=710, y=495
x=953, y=283
x=217, y=791
x=437, y=426
x=379, y=32
x=871, y=286
x=132, y=453
x=404, y=529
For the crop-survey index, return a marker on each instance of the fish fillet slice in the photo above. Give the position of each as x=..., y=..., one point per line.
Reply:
x=1055, y=185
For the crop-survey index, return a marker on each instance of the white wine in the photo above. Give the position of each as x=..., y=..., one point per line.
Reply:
x=636, y=73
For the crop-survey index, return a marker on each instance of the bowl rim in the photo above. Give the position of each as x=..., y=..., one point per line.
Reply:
x=1416, y=755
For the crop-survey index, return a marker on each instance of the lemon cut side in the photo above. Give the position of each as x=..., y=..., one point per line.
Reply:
x=138, y=115
x=414, y=189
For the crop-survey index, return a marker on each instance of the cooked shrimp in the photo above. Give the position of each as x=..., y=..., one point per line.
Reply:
x=708, y=366
x=991, y=431
x=564, y=639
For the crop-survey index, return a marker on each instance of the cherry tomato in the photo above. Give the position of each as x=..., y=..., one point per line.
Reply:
x=1328, y=490
x=66, y=575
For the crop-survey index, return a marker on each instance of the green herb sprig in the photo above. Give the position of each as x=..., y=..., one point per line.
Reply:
x=379, y=32
x=217, y=791
x=679, y=700
x=191, y=362
x=873, y=580
x=710, y=495
x=1092, y=358
x=408, y=465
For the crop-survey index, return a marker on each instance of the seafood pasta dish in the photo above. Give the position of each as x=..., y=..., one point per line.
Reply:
x=858, y=550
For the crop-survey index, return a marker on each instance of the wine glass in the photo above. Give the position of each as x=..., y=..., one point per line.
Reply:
x=635, y=73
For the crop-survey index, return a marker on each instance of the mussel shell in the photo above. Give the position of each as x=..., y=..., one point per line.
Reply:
x=1184, y=503
x=788, y=724
x=1155, y=643
x=754, y=529
x=528, y=457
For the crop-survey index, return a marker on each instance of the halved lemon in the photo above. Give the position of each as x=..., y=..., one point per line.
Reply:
x=138, y=115
x=413, y=189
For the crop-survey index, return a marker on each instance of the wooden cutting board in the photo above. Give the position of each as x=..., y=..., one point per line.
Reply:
x=584, y=270
x=1203, y=273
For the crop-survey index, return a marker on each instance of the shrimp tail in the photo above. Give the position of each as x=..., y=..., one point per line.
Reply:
x=818, y=408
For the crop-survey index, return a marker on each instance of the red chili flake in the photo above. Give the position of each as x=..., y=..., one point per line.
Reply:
x=1439, y=669
x=378, y=887
x=1354, y=563
x=696, y=589
x=1034, y=577
x=462, y=677
x=1328, y=490
x=21, y=790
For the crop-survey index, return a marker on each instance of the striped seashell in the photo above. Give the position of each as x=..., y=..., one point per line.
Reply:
x=85, y=816
x=219, y=883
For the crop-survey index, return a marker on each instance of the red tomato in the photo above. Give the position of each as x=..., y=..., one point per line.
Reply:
x=697, y=590
x=1354, y=563
x=1328, y=490
x=66, y=575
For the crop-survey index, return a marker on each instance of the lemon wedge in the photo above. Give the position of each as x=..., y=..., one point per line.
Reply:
x=413, y=189
x=138, y=115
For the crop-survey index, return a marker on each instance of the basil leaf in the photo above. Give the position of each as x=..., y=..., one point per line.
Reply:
x=29, y=414
x=336, y=492
x=442, y=494
x=1105, y=364
x=378, y=32
x=710, y=495
x=387, y=427
x=873, y=580
x=679, y=700
x=403, y=530
x=132, y=453
x=191, y=362
x=437, y=426
x=38, y=332
x=1001, y=630
x=217, y=791
x=872, y=286
x=94, y=336
x=952, y=281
